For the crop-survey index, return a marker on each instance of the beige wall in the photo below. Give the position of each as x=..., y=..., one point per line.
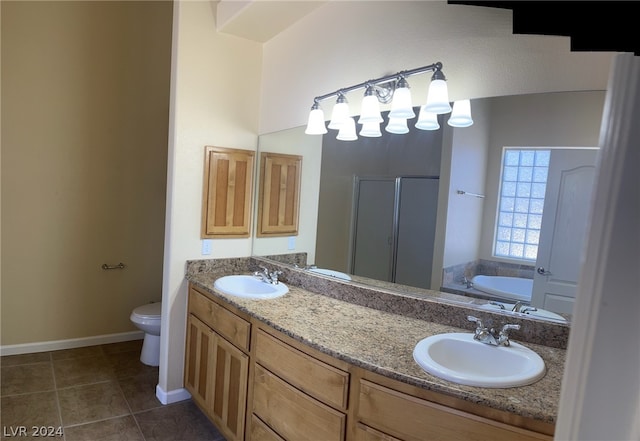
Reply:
x=84, y=145
x=214, y=90
x=467, y=169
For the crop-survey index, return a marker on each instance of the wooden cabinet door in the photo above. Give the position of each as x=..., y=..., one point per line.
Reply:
x=279, y=202
x=216, y=375
x=230, y=367
x=227, y=193
x=199, y=352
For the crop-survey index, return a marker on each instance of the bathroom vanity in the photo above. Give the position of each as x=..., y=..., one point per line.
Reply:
x=310, y=366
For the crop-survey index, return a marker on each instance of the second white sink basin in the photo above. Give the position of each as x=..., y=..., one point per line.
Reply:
x=536, y=312
x=249, y=287
x=457, y=357
x=332, y=273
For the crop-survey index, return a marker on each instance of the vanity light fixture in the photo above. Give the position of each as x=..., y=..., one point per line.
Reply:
x=461, y=114
x=397, y=126
x=392, y=89
x=347, y=130
x=427, y=120
x=371, y=130
x=340, y=112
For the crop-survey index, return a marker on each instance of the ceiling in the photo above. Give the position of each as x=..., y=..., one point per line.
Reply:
x=260, y=20
x=592, y=25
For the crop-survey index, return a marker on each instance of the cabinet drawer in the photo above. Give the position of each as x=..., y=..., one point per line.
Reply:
x=366, y=433
x=224, y=322
x=293, y=414
x=324, y=382
x=261, y=432
x=410, y=418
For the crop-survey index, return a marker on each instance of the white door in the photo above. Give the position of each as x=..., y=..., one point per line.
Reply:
x=563, y=229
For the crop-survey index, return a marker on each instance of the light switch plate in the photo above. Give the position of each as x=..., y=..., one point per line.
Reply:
x=292, y=243
x=207, y=244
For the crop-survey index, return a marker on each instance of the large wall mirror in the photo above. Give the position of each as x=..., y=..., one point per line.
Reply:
x=451, y=181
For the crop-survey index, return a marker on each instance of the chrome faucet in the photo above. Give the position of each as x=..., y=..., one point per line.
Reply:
x=306, y=267
x=467, y=282
x=266, y=276
x=489, y=336
x=520, y=307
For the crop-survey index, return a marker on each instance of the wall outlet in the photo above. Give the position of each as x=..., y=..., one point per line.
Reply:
x=291, y=244
x=207, y=244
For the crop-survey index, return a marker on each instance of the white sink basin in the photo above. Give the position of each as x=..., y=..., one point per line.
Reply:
x=249, y=287
x=539, y=313
x=331, y=273
x=457, y=357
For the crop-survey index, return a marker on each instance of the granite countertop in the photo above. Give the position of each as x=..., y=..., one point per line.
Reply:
x=383, y=342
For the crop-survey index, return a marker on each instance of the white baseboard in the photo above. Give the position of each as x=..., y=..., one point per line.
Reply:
x=172, y=396
x=55, y=345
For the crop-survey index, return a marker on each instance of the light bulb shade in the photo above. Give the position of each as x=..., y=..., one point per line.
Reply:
x=347, y=130
x=461, y=114
x=438, y=97
x=339, y=114
x=427, y=120
x=402, y=106
x=397, y=126
x=371, y=130
x=370, y=110
x=315, y=124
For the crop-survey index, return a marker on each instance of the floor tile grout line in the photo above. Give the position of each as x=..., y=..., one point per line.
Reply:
x=112, y=380
x=135, y=420
x=57, y=397
x=85, y=423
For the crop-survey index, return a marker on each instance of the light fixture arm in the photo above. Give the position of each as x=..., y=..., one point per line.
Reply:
x=383, y=93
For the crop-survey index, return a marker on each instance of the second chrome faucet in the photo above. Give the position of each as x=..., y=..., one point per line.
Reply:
x=268, y=276
x=490, y=336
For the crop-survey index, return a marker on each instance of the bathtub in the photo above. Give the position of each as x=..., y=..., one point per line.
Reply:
x=511, y=288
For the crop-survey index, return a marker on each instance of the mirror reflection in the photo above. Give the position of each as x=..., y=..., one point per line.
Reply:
x=494, y=213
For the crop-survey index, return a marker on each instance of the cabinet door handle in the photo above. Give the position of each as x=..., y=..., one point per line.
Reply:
x=110, y=267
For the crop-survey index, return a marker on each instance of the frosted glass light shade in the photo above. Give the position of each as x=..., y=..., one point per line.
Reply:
x=370, y=110
x=371, y=130
x=347, y=130
x=461, y=114
x=315, y=123
x=438, y=97
x=427, y=120
x=397, y=126
x=339, y=114
x=402, y=105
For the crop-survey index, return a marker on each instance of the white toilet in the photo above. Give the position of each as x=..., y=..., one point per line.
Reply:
x=147, y=318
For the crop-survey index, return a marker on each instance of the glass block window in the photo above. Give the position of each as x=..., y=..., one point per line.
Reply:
x=521, y=199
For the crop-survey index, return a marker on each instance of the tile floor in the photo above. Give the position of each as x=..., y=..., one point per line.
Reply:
x=93, y=393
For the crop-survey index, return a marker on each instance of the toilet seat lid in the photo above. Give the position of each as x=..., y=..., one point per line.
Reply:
x=150, y=310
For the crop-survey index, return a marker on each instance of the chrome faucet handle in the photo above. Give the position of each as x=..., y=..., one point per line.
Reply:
x=476, y=320
x=480, y=329
x=517, y=307
x=482, y=334
x=503, y=337
x=273, y=277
